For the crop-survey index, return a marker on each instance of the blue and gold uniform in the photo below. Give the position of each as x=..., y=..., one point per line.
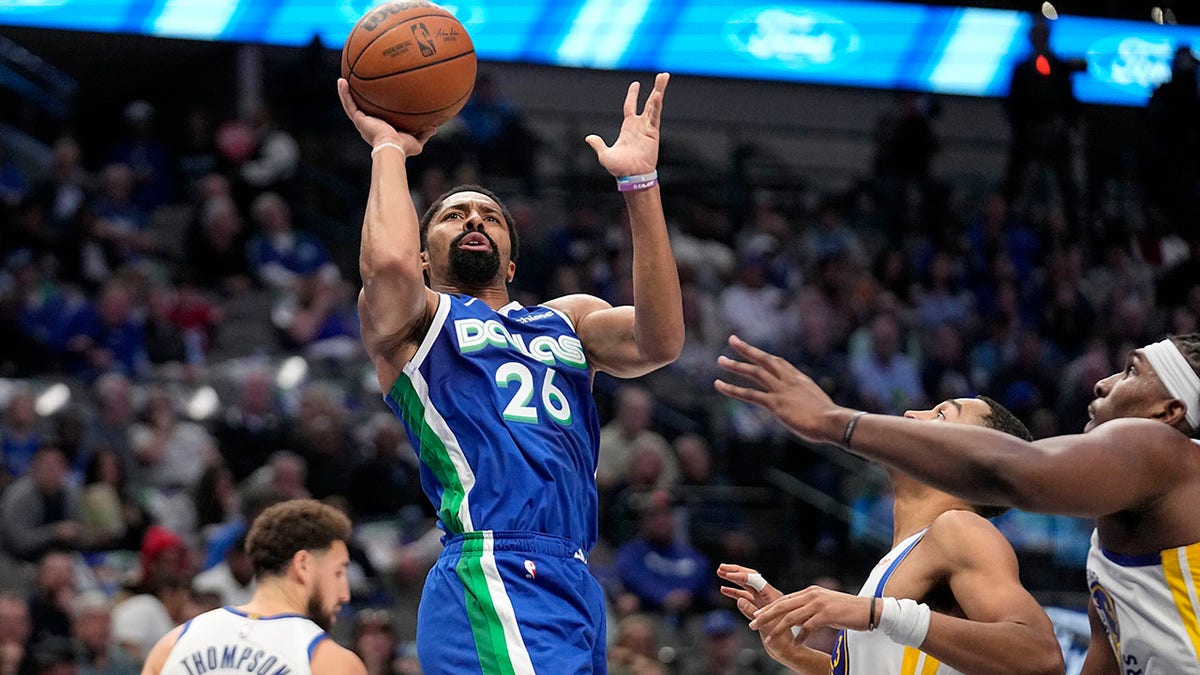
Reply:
x=499, y=408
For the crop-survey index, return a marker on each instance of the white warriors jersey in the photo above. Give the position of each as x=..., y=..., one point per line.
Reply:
x=873, y=653
x=227, y=640
x=1149, y=606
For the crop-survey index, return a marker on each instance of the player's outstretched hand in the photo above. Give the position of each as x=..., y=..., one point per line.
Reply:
x=809, y=609
x=374, y=130
x=789, y=394
x=635, y=151
x=753, y=592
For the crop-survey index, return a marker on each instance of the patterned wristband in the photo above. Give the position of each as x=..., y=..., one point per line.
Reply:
x=633, y=183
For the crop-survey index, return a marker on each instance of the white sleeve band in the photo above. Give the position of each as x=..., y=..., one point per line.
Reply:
x=385, y=144
x=904, y=621
x=756, y=581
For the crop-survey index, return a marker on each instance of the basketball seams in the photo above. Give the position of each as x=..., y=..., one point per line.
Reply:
x=403, y=112
x=414, y=69
x=404, y=21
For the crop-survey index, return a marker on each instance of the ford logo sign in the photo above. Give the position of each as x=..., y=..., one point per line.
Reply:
x=1131, y=61
x=793, y=37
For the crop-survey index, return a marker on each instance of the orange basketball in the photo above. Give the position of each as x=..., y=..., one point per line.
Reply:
x=410, y=63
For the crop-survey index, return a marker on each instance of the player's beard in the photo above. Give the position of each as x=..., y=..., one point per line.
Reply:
x=316, y=611
x=473, y=269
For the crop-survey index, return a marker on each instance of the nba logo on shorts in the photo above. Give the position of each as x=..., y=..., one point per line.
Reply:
x=424, y=41
x=530, y=569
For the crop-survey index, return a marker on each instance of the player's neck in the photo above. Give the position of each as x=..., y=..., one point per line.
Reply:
x=494, y=296
x=276, y=596
x=916, y=505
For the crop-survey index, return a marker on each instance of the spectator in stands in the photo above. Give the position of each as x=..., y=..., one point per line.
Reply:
x=54, y=655
x=107, y=336
x=53, y=595
x=754, y=305
x=635, y=651
x=214, y=498
x=64, y=193
x=628, y=431
x=15, y=630
x=832, y=238
x=255, y=501
x=162, y=597
x=280, y=255
x=164, y=338
x=388, y=480
x=13, y=183
x=374, y=639
x=1171, y=115
x=658, y=572
x=111, y=518
x=886, y=377
x=940, y=297
x=41, y=511
x=250, y=430
x=232, y=580
x=276, y=157
x=92, y=629
x=497, y=135
x=147, y=157
x=171, y=452
x=34, y=312
x=322, y=437
x=716, y=522
x=118, y=230
x=217, y=247
x=1042, y=110
x=20, y=435
x=720, y=647
x=905, y=145
x=317, y=315
x=109, y=430
x=946, y=372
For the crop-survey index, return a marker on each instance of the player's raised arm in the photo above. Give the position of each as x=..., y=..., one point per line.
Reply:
x=631, y=341
x=394, y=297
x=1118, y=466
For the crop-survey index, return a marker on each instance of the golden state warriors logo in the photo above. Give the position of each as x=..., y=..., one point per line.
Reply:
x=1108, y=614
x=839, y=664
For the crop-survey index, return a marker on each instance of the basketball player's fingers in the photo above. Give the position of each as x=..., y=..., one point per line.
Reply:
x=746, y=608
x=596, y=143
x=348, y=104
x=769, y=362
x=654, y=103
x=750, y=371
x=741, y=393
x=631, y=97
x=735, y=573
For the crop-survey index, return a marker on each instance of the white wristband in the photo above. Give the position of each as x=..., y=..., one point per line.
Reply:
x=386, y=144
x=905, y=621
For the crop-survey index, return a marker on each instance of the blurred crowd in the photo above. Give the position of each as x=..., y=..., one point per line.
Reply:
x=179, y=349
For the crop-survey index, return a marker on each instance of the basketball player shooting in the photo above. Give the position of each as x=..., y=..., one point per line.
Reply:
x=1135, y=469
x=945, y=600
x=298, y=549
x=497, y=398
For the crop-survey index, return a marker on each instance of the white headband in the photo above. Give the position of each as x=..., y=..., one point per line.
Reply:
x=1177, y=375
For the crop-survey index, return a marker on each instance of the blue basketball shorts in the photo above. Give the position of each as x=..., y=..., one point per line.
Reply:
x=500, y=603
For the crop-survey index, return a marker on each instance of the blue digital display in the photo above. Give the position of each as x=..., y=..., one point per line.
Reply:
x=967, y=51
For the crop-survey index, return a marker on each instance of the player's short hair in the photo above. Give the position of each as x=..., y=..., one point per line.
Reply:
x=513, y=237
x=1001, y=419
x=282, y=530
x=1189, y=345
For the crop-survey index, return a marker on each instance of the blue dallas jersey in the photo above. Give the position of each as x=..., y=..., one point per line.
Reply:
x=499, y=408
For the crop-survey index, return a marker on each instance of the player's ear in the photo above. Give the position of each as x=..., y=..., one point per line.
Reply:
x=512, y=270
x=1173, y=412
x=302, y=563
x=425, y=260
